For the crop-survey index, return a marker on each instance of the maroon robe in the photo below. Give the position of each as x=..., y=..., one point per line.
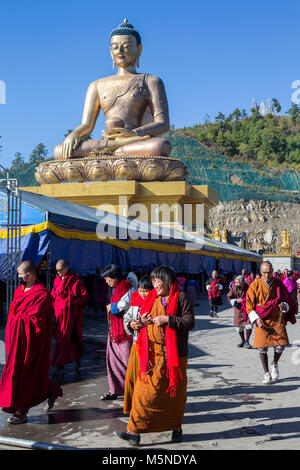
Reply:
x=25, y=379
x=70, y=297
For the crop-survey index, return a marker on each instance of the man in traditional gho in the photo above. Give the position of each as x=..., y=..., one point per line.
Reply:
x=25, y=379
x=132, y=325
x=69, y=299
x=237, y=299
x=118, y=341
x=214, y=286
x=159, y=396
x=270, y=306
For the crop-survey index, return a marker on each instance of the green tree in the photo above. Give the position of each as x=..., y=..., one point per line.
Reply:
x=294, y=112
x=276, y=105
x=243, y=149
x=207, y=119
x=267, y=140
x=38, y=154
x=244, y=114
x=18, y=161
x=220, y=118
x=294, y=157
x=237, y=114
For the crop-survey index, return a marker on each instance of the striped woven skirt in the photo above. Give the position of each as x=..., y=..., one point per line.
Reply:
x=117, y=357
x=131, y=378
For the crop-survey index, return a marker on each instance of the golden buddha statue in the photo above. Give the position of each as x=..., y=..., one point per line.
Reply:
x=135, y=107
x=284, y=238
x=224, y=236
x=285, y=247
x=217, y=234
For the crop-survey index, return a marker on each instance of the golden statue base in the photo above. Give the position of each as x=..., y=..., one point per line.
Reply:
x=171, y=203
x=285, y=251
x=111, y=167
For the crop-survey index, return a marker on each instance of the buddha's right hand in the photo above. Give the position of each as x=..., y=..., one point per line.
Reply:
x=70, y=143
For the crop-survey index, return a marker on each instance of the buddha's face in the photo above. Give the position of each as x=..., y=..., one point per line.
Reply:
x=124, y=50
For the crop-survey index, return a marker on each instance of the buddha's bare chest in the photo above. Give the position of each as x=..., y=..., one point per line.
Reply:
x=120, y=90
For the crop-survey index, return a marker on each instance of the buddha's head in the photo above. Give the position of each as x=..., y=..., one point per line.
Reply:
x=125, y=45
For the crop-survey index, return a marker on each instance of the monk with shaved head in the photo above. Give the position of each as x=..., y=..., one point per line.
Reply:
x=269, y=307
x=25, y=379
x=69, y=299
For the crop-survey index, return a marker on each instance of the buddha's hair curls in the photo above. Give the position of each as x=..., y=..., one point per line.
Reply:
x=126, y=28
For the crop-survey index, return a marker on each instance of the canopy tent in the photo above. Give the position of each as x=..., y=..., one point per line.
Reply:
x=78, y=234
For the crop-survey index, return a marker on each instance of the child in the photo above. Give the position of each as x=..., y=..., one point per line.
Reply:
x=132, y=325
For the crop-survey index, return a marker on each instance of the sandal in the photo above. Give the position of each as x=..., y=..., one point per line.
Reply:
x=109, y=396
x=17, y=418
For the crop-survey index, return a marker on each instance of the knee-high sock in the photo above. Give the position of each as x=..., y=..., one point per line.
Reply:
x=248, y=334
x=264, y=361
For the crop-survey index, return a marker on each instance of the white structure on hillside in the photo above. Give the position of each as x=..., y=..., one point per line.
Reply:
x=264, y=108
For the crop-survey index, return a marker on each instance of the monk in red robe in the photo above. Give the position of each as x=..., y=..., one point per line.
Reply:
x=214, y=286
x=70, y=297
x=25, y=379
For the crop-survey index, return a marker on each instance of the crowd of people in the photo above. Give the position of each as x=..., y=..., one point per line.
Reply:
x=266, y=301
x=149, y=319
x=146, y=356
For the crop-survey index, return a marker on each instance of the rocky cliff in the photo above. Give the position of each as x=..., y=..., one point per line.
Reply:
x=262, y=222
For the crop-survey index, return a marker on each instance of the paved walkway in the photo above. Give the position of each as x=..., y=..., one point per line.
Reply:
x=228, y=407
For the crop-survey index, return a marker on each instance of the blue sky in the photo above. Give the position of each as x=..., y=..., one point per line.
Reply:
x=212, y=56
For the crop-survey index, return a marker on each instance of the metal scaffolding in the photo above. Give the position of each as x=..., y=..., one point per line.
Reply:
x=13, y=254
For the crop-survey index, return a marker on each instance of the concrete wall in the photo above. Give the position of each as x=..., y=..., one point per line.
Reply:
x=297, y=263
x=280, y=262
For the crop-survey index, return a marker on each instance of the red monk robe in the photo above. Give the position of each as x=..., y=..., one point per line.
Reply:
x=70, y=297
x=25, y=379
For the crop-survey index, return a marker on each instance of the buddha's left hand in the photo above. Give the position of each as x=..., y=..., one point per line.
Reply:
x=120, y=141
x=118, y=132
x=161, y=320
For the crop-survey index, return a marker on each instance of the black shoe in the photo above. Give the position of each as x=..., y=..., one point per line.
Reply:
x=240, y=345
x=177, y=436
x=17, y=418
x=109, y=396
x=130, y=438
x=211, y=314
x=247, y=345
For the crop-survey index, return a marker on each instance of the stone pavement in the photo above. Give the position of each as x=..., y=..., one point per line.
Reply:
x=227, y=408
